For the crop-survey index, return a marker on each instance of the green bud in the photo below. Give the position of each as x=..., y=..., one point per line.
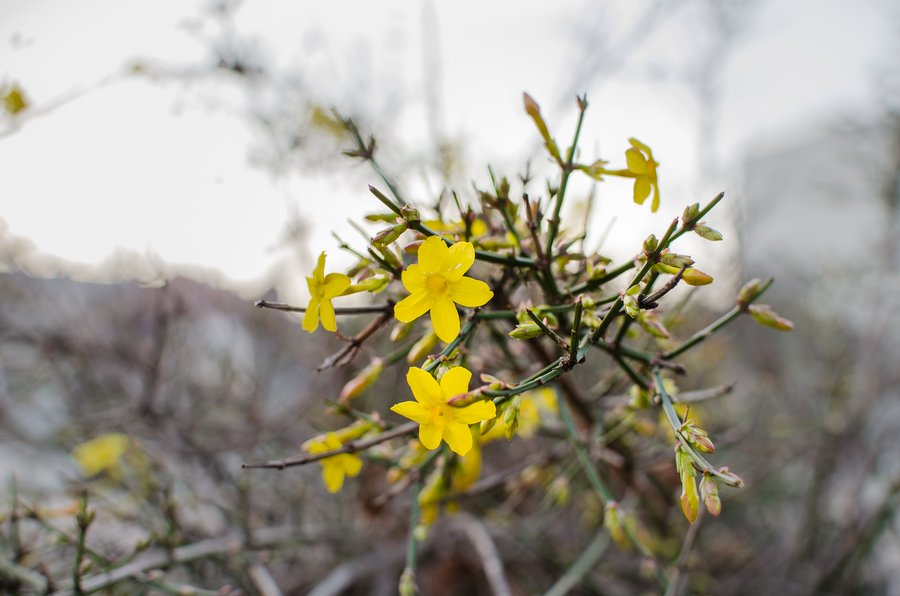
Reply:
x=690, y=500
x=708, y=233
x=400, y=331
x=389, y=235
x=709, y=492
x=631, y=305
x=675, y=260
x=407, y=586
x=749, y=292
x=650, y=245
x=652, y=326
x=511, y=416
x=695, y=277
x=409, y=213
x=422, y=348
x=526, y=331
x=684, y=463
x=764, y=315
x=690, y=213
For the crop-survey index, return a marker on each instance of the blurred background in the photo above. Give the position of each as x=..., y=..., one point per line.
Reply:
x=166, y=164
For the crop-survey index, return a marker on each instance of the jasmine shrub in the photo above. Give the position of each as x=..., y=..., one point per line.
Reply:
x=516, y=303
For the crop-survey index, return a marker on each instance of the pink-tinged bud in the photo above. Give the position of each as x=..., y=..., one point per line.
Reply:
x=749, y=292
x=698, y=437
x=690, y=500
x=422, y=348
x=764, y=315
x=708, y=233
x=533, y=110
x=709, y=491
x=363, y=380
x=409, y=213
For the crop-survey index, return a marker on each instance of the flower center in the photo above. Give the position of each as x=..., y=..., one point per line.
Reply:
x=436, y=284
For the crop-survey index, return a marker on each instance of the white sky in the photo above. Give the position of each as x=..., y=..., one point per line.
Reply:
x=142, y=166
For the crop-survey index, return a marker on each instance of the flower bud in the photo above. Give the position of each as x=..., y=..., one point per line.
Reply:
x=764, y=315
x=690, y=213
x=631, y=305
x=695, y=277
x=409, y=213
x=690, y=500
x=612, y=521
x=407, y=585
x=650, y=245
x=400, y=331
x=708, y=233
x=422, y=348
x=363, y=380
x=526, y=331
x=652, y=326
x=511, y=416
x=709, y=492
x=389, y=235
x=675, y=260
x=749, y=292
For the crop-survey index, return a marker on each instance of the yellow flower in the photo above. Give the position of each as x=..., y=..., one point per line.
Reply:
x=322, y=288
x=437, y=282
x=101, y=454
x=641, y=165
x=437, y=418
x=334, y=468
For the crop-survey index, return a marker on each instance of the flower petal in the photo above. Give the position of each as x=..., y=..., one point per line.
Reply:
x=425, y=389
x=655, y=204
x=332, y=474
x=430, y=435
x=458, y=437
x=641, y=190
x=311, y=318
x=477, y=412
x=326, y=312
x=470, y=292
x=432, y=254
x=352, y=464
x=413, y=306
x=459, y=259
x=637, y=163
x=445, y=319
x=413, y=410
x=413, y=279
x=455, y=382
x=319, y=272
x=334, y=285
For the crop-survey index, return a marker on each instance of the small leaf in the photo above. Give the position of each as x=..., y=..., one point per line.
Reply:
x=708, y=233
x=764, y=315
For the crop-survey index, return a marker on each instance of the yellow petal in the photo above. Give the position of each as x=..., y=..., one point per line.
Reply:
x=413, y=306
x=477, y=412
x=458, y=437
x=432, y=253
x=424, y=388
x=641, y=190
x=413, y=410
x=334, y=285
x=311, y=318
x=319, y=271
x=445, y=319
x=333, y=475
x=430, y=436
x=352, y=465
x=470, y=292
x=637, y=164
x=459, y=259
x=655, y=204
x=312, y=285
x=413, y=279
x=455, y=382
x=326, y=311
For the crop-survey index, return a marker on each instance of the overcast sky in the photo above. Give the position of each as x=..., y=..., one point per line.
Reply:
x=106, y=162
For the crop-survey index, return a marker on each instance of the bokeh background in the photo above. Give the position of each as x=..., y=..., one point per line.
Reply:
x=169, y=163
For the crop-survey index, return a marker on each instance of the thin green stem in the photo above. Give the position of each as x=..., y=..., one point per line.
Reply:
x=593, y=284
x=688, y=226
x=464, y=333
x=724, y=320
x=676, y=423
x=339, y=310
x=581, y=567
x=561, y=195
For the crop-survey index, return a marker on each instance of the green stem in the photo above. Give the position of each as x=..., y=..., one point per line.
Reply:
x=593, y=284
x=688, y=226
x=560, y=196
x=676, y=423
x=464, y=333
x=581, y=567
x=724, y=320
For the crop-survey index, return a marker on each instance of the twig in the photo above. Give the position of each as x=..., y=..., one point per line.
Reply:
x=480, y=538
x=347, y=353
x=339, y=310
x=675, y=579
x=349, y=447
